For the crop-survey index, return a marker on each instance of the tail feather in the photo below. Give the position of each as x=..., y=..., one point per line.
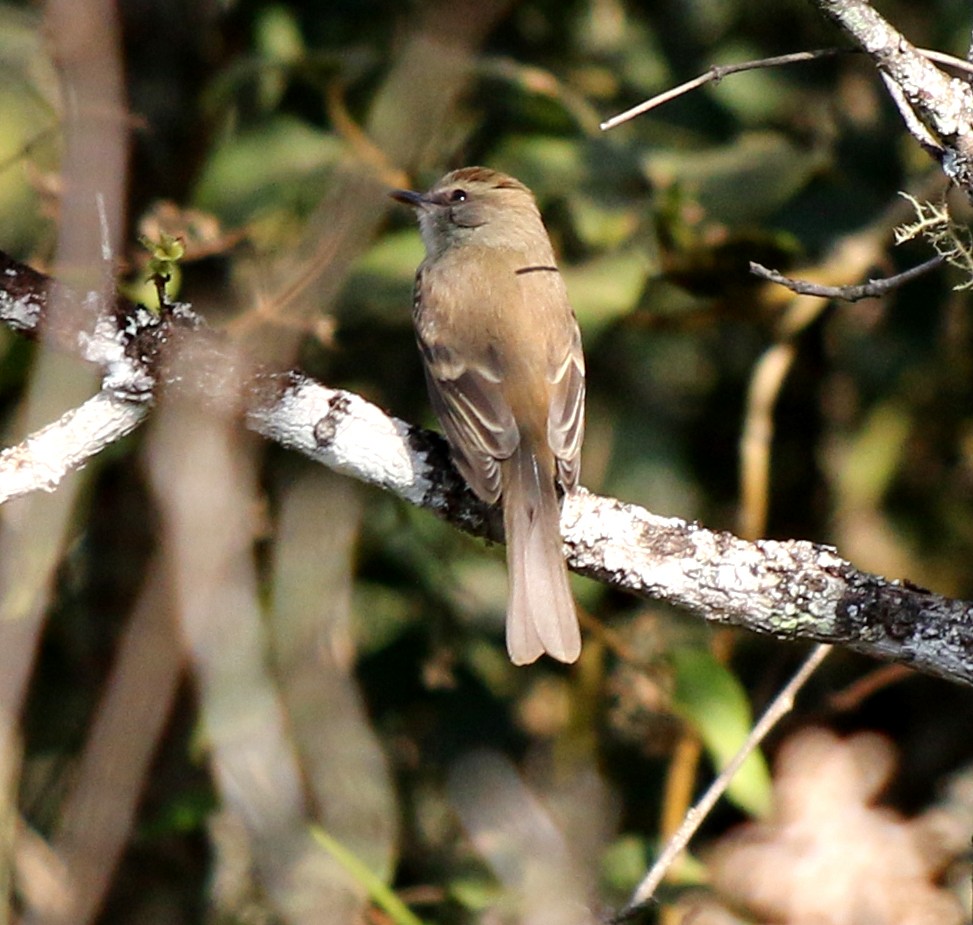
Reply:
x=540, y=609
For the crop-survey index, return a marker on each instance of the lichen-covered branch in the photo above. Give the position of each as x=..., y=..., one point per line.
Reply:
x=791, y=590
x=123, y=340
x=40, y=462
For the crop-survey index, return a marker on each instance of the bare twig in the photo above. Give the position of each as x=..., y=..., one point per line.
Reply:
x=937, y=109
x=718, y=71
x=940, y=57
x=768, y=377
x=782, y=704
x=714, y=75
x=873, y=289
x=851, y=698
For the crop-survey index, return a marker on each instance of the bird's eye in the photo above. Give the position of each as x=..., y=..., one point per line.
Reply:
x=457, y=195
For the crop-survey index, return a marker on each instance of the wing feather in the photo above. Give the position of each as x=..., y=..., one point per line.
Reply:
x=565, y=420
x=469, y=392
x=468, y=401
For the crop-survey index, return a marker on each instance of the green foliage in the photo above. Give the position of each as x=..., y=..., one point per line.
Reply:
x=30, y=141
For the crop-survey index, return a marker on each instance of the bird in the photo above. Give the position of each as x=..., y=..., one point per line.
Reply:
x=503, y=361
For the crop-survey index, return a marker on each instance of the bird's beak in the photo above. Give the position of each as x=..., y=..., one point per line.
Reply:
x=408, y=197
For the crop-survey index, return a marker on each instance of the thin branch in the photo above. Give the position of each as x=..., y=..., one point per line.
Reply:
x=718, y=71
x=873, y=289
x=781, y=705
x=714, y=75
x=940, y=57
x=850, y=698
x=766, y=381
x=927, y=141
x=937, y=109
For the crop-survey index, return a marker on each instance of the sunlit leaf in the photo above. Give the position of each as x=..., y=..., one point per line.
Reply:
x=874, y=456
x=602, y=225
x=710, y=697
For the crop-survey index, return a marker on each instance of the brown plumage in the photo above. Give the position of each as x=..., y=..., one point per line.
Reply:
x=505, y=370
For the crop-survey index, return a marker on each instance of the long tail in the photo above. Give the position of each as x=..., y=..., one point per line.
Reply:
x=540, y=610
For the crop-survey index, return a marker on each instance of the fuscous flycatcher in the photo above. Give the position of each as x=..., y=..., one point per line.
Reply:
x=503, y=362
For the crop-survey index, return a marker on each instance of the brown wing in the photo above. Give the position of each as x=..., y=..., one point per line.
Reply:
x=461, y=333
x=547, y=297
x=468, y=401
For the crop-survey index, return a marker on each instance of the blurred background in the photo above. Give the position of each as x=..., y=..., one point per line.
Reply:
x=236, y=688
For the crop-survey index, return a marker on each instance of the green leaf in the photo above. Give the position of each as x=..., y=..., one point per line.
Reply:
x=709, y=696
x=874, y=457
x=32, y=129
x=187, y=811
x=394, y=256
x=604, y=288
x=624, y=863
x=603, y=225
x=277, y=35
x=744, y=181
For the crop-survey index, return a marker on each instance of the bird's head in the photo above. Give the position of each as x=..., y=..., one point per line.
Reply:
x=476, y=205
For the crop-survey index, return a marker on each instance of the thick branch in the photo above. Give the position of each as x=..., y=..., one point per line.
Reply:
x=788, y=589
x=47, y=456
x=123, y=340
x=791, y=590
